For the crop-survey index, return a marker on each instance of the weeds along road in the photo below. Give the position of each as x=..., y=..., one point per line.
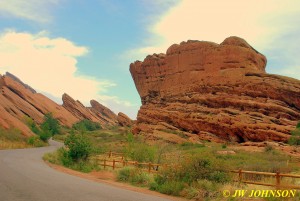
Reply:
x=25, y=177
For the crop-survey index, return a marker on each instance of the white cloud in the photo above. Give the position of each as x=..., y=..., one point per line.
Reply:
x=261, y=23
x=34, y=10
x=48, y=65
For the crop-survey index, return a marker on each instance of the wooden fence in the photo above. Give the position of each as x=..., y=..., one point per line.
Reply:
x=150, y=167
x=277, y=176
x=243, y=175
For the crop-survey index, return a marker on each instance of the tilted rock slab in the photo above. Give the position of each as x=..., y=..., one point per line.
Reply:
x=215, y=91
x=18, y=100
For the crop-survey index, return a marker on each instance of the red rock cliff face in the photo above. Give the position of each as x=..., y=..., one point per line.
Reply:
x=215, y=91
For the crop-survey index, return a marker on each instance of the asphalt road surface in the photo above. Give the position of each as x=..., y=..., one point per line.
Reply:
x=25, y=177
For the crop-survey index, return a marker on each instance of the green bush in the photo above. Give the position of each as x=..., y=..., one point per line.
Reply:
x=171, y=188
x=45, y=136
x=200, y=167
x=134, y=176
x=139, y=151
x=62, y=157
x=295, y=138
x=35, y=141
x=80, y=147
x=124, y=174
x=86, y=125
x=32, y=125
x=50, y=124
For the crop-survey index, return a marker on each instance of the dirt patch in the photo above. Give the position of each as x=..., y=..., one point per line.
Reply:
x=109, y=177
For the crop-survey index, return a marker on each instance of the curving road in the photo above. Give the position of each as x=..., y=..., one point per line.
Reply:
x=25, y=177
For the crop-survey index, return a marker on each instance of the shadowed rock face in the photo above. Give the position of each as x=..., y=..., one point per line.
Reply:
x=215, y=91
x=18, y=100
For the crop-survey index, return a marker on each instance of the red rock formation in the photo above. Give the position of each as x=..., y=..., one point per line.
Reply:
x=124, y=120
x=215, y=91
x=103, y=112
x=18, y=100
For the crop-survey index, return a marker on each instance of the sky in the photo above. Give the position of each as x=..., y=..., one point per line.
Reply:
x=84, y=47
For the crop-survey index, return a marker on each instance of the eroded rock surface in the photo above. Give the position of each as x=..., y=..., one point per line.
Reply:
x=216, y=92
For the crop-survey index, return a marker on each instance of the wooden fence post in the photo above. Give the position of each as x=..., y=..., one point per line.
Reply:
x=277, y=180
x=149, y=167
x=240, y=175
x=104, y=163
x=110, y=154
x=114, y=162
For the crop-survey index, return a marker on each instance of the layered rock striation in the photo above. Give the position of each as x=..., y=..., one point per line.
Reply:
x=216, y=92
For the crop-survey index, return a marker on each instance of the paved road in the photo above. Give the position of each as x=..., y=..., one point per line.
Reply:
x=25, y=177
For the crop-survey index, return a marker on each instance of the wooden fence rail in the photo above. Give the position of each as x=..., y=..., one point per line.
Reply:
x=278, y=177
x=151, y=167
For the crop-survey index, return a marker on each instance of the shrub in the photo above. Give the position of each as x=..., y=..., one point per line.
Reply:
x=134, y=176
x=295, y=138
x=79, y=146
x=50, y=124
x=200, y=167
x=124, y=174
x=86, y=125
x=269, y=148
x=141, y=152
x=35, y=141
x=171, y=187
x=45, y=136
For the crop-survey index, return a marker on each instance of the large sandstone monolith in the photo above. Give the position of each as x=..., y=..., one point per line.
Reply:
x=216, y=92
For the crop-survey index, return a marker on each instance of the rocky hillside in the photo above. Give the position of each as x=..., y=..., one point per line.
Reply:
x=18, y=100
x=214, y=91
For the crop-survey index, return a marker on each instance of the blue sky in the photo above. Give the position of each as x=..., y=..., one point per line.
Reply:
x=84, y=47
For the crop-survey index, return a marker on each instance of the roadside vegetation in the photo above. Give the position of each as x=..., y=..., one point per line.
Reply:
x=193, y=171
x=12, y=139
x=45, y=131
